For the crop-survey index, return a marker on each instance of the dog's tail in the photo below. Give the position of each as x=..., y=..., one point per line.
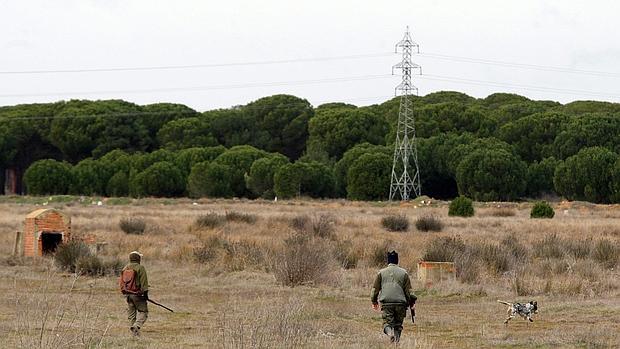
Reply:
x=504, y=302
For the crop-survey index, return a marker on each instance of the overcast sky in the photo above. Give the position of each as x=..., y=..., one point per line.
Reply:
x=83, y=34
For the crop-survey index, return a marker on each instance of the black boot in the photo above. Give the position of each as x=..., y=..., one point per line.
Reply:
x=397, y=335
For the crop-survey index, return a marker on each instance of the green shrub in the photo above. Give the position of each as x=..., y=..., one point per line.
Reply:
x=368, y=178
x=587, y=175
x=88, y=178
x=304, y=178
x=260, y=178
x=491, y=175
x=68, y=254
x=48, y=177
x=540, y=177
x=428, y=223
x=186, y=159
x=395, y=223
x=287, y=181
x=162, y=179
x=238, y=161
x=132, y=225
x=542, y=210
x=118, y=185
x=462, y=207
x=210, y=179
x=341, y=169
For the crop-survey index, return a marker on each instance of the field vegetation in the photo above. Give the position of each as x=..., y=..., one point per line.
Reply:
x=291, y=274
x=504, y=147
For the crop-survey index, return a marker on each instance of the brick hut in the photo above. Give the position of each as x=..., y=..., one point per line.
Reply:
x=44, y=230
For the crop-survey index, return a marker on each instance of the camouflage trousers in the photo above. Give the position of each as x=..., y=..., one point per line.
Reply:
x=137, y=310
x=393, y=316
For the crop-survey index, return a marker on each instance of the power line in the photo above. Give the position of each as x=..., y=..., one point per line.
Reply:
x=249, y=106
x=194, y=66
x=517, y=86
x=519, y=65
x=321, y=81
x=204, y=88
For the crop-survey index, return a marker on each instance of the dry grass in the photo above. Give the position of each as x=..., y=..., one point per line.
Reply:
x=220, y=278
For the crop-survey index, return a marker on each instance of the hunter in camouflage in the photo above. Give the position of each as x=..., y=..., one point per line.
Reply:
x=392, y=290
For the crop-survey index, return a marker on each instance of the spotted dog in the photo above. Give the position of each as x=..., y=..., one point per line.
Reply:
x=524, y=310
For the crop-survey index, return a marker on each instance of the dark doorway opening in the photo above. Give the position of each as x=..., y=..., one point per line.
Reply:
x=49, y=242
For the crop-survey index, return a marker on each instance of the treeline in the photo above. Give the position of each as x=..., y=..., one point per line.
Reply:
x=503, y=147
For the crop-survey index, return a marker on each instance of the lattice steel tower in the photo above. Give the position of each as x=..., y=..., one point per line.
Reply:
x=405, y=183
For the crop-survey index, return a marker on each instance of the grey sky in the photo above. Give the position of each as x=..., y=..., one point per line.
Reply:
x=51, y=35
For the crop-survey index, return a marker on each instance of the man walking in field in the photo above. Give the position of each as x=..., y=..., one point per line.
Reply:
x=392, y=289
x=135, y=286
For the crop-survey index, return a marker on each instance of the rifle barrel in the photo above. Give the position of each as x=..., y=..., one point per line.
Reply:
x=161, y=305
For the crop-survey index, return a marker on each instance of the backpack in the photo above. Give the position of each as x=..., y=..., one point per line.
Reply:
x=127, y=282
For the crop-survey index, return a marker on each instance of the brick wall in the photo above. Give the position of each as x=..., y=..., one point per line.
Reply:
x=42, y=221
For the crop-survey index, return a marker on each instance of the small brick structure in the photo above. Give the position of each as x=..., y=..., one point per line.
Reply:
x=431, y=272
x=44, y=230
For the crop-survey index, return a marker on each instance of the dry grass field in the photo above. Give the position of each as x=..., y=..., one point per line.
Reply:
x=222, y=276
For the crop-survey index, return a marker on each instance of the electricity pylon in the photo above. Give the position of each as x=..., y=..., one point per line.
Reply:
x=405, y=183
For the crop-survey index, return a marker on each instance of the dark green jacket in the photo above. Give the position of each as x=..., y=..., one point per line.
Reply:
x=392, y=286
x=142, y=280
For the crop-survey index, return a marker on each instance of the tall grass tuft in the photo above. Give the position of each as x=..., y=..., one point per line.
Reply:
x=345, y=254
x=395, y=222
x=606, y=253
x=132, y=225
x=236, y=216
x=378, y=253
x=320, y=225
x=303, y=260
x=53, y=315
x=209, y=220
x=444, y=249
x=428, y=223
x=503, y=212
x=551, y=246
x=68, y=254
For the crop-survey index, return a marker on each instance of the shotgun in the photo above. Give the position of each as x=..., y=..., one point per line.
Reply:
x=161, y=305
x=412, y=314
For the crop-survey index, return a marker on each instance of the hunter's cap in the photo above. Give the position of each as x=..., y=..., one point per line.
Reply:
x=136, y=252
x=392, y=257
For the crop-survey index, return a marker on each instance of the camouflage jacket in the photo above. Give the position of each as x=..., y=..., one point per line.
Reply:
x=392, y=286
